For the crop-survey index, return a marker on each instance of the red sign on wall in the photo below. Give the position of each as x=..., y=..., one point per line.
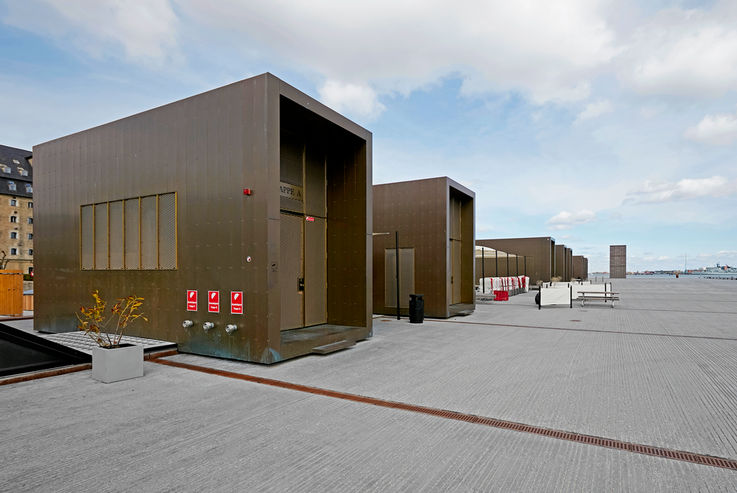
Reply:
x=236, y=302
x=213, y=301
x=191, y=300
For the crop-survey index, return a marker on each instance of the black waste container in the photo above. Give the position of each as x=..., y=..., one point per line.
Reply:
x=416, y=308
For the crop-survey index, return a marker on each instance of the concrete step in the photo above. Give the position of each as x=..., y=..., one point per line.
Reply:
x=334, y=346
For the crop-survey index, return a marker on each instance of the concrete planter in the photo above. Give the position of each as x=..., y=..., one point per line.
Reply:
x=121, y=363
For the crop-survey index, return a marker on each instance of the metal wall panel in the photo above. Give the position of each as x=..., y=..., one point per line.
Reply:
x=101, y=236
x=87, y=237
x=167, y=231
x=149, y=230
x=116, y=234
x=132, y=238
x=406, y=276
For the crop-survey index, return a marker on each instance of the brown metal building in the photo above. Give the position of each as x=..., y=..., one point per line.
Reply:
x=617, y=261
x=248, y=207
x=435, y=221
x=580, y=267
x=495, y=263
x=537, y=252
x=563, y=262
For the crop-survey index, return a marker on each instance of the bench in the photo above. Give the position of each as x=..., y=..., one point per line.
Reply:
x=584, y=296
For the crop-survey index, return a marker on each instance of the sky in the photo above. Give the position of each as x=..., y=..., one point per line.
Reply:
x=594, y=122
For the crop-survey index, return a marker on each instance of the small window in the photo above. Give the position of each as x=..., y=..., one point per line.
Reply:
x=22, y=171
x=30, y=236
x=30, y=205
x=13, y=219
x=11, y=185
x=14, y=251
x=13, y=202
x=30, y=220
x=30, y=251
x=5, y=168
x=13, y=235
x=29, y=188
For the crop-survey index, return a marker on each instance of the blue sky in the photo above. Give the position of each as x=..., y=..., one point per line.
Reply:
x=595, y=122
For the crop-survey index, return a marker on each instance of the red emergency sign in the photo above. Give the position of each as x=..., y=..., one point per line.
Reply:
x=191, y=300
x=213, y=301
x=236, y=302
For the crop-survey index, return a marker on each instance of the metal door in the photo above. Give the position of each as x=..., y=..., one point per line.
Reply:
x=291, y=271
x=315, y=275
x=455, y=273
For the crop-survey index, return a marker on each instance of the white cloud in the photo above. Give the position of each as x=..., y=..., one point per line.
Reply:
x=566, y=220
x=547, y=51
x=715, y=130
x=684, y=52
x=595, y=109
x=146, y=31
x=349, y=98
x=688, y=188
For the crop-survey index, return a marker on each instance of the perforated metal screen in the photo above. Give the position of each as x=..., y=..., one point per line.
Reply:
x=167, y=231
x=138, y=233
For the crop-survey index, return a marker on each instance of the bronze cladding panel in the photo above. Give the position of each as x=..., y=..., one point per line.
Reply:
x=406, y=277
x=206, y=149
x=315, y=267
x=560, y=258
x=420, y=210
x=569, y=264
x=579, y=267
x=537, y=249
x=291, y=270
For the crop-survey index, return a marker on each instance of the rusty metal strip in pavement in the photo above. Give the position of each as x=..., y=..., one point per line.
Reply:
x=601, y=331
x=654, y=451
x=25, y=377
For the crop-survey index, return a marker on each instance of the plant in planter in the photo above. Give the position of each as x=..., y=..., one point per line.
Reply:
x=111, y=360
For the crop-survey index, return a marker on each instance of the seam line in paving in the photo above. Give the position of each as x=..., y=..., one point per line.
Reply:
x=637, y=448
x=616, y=332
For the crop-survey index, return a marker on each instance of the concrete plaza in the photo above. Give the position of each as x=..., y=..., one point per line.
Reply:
x=658, y=369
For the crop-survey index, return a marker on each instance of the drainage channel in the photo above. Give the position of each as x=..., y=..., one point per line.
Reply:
x=654, y=451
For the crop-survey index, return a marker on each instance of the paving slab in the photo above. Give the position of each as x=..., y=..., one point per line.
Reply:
x=638, y=373
x=178, y=430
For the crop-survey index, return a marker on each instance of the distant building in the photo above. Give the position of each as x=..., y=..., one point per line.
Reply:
x=618, y=261
x=536, y=255
x=580, y=266
x=16, y=208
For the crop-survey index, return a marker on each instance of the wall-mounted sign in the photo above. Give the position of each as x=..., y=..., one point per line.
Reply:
x=213, y=301
x=236, y=302
x=290, y=191
x=191, y=300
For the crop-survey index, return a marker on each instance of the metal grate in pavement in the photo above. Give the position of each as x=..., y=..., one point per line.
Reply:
x=637, y=448
x=81, y=342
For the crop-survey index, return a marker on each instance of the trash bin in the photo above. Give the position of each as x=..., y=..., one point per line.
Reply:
x=416, y=308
